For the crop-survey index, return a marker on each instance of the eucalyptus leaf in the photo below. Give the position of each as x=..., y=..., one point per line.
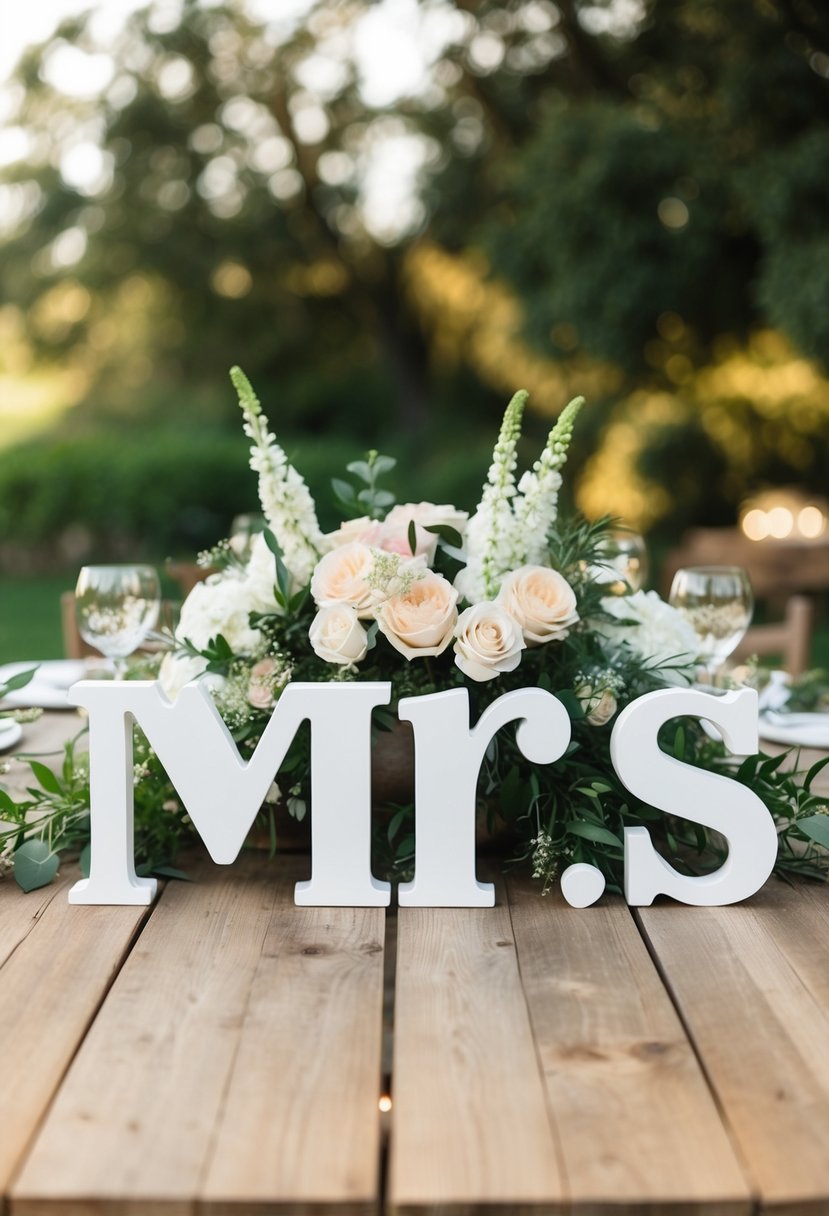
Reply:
x=383, y=464
x=35, y=865
x=343, y=490
x=361, y=469
x=816, y=827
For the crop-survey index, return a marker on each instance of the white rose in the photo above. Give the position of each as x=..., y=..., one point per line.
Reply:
x=337, y=635
x=489, y=642
x=341, y=577
x=421, y=621
x=542, y=601
x=394, y=534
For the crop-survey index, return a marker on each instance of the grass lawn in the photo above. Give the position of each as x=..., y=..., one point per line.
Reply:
x=30, y=616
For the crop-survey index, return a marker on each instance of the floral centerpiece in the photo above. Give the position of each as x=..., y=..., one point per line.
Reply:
x=430, y=598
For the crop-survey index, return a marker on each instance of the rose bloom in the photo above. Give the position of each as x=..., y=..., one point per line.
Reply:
x=364, y=529
x=260, y=688
x=489, y=641
x=542, y=601
x=340, y=577
x=599, y=704
x=421, y=622
x=394, y=533
x=337, y=636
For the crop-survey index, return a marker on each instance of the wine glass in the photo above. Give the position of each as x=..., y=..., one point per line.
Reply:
x=116, y=607
x=624, y=561
x=717, y=602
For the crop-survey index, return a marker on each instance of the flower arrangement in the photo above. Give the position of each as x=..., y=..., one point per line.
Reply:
x=431, y=598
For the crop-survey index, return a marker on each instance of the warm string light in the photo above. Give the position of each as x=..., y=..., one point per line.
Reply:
x=784, y=515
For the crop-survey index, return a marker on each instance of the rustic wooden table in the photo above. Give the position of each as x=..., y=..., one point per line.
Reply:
x=226, y=1052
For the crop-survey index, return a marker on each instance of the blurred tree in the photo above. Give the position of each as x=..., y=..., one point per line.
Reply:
x=607, y=186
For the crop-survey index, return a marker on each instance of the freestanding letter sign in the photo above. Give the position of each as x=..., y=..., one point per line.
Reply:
x=222, y=792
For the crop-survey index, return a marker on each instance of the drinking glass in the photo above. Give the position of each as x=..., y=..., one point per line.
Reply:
x=116, y=607
x=624, y=561
x=717, y=602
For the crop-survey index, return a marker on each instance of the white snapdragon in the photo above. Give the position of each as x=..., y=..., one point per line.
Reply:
x=536, y=505
x=493, y=544
x=286, y=501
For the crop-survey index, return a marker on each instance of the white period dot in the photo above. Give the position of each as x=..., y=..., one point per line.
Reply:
x=582, y=885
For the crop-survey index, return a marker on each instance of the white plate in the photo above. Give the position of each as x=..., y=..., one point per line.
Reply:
x=9, y=735
x=804, y=730
x=48, y=687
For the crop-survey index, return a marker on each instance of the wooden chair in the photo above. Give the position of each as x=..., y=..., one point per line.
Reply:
x=791, y=638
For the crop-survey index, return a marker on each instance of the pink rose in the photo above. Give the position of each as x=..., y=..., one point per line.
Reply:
x=261, y=686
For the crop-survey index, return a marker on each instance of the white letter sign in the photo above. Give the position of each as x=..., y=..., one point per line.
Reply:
x=692, y=793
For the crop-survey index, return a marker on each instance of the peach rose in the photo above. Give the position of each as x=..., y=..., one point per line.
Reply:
x=489, y=641
x=337, y=636
x=421, y=621
x=341, y=577
x=542, y=601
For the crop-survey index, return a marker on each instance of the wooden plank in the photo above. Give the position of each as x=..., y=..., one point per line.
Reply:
x=205, y=1017
x=57, y=964
x=470, y=1131
x=300, y=1129
x=638, y=1127
x=752, y=985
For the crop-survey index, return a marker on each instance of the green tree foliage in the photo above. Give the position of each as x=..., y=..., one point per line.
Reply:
x=632, y=171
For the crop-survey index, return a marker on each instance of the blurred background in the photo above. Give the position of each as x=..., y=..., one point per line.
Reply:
x=393, y=214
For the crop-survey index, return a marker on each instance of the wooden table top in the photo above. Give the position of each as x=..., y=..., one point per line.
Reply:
x=227, y=1052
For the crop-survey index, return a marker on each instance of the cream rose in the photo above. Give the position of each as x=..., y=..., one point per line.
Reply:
x=337, y=636
x=341, y=577
x=541, y=601
x=489, y=642
x=599, y=705
x=420, y=622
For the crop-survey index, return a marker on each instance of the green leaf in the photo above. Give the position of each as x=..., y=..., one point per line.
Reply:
x=571, y=703
x=19, y=681
x=383, y=464
x=171, y=872
x=7, y=803
x=35, y=865
x=816, y=827
x=46, y=777
x=371, y=635
x=343, y=490
x=447, y=533
x=272, y=542
x=411, y=536
x=592, y=831
x=84, y=860
x=361, y=469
